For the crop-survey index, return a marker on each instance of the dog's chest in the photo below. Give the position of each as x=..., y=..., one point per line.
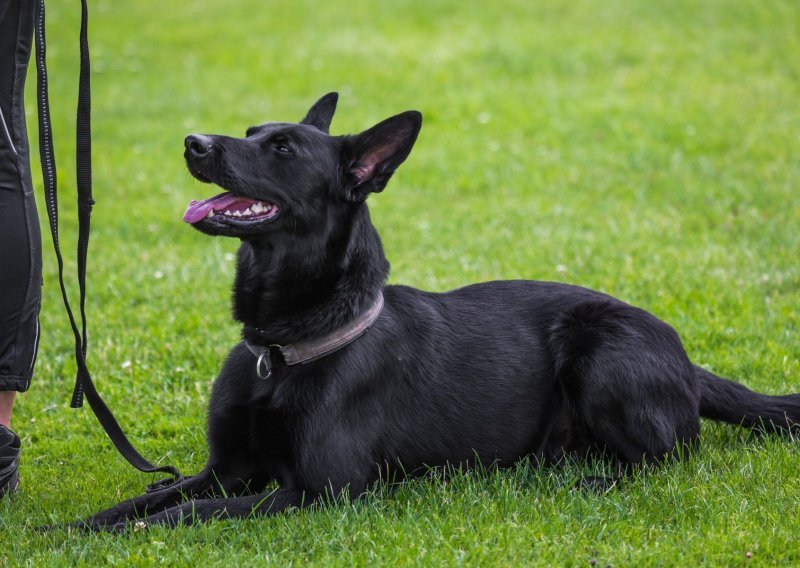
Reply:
x=269, y=436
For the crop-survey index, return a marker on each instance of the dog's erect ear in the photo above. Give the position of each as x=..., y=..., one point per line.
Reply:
x=374, y=155
x=321, y=113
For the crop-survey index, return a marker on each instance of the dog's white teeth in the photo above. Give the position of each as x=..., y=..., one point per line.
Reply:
x=247, y=212
x=258, y=208
x=228, y=213
x=237, y=214
x=210, y=213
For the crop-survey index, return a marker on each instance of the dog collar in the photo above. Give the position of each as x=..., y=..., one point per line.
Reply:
x=304, y=352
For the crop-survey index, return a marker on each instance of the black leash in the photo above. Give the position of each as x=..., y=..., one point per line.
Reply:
x=83, y=380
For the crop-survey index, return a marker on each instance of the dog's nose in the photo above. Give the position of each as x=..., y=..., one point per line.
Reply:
x=198, y=144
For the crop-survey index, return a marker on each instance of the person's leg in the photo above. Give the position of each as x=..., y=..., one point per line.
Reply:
x=20, y=239
x=6, y=405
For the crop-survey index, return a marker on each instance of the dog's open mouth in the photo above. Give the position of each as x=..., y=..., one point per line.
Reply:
x=232, y=207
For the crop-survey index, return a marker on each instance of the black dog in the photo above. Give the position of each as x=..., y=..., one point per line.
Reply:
x=342, y=381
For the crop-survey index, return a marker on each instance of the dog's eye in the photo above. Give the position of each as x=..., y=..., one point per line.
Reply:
x=281, y=147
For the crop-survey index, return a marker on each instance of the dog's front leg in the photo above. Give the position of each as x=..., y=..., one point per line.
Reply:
x=270, y=503
x=201, y=485
x=200, y=510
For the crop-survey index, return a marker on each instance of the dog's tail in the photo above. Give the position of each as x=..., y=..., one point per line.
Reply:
x=731, y=402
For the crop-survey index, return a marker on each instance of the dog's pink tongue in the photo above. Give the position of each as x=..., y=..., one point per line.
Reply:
x=198, y=210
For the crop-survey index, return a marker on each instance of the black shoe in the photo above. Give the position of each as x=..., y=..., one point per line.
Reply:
x=9, y=461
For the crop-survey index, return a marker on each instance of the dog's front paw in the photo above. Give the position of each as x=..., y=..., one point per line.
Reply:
x=119, y=527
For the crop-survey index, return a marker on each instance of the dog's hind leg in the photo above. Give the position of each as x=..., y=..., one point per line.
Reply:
x=629, y=382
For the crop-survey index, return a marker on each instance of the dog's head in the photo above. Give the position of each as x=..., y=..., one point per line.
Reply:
x=285, y=177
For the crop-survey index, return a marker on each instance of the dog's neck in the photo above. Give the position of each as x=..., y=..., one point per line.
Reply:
x=311, y=288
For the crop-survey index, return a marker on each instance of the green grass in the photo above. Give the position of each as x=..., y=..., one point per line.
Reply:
x=647, y=149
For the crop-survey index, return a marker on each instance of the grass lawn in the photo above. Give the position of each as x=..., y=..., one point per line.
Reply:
x=647, y=149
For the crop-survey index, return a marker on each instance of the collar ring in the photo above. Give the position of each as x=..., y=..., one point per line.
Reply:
x=264, y=365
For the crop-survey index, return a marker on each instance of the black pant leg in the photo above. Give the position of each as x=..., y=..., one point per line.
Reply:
x=20, y=237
